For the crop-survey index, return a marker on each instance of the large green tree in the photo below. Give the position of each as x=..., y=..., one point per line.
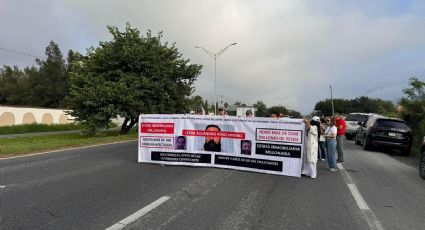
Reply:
x=413, y=111
x=277, y=109
x=261, y=109
x=45, y=84
x=12, y=85
x=360, y=104
x=48, y=83
x=195, y=102
x=129, y=75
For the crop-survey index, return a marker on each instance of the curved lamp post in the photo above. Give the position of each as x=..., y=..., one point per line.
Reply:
x=215, y=56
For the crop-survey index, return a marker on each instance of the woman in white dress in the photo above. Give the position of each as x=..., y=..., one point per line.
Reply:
x=311, y=150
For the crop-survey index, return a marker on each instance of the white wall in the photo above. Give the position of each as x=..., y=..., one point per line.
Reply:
x=19, y=112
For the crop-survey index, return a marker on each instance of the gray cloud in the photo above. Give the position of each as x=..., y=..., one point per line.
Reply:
x=288, y=52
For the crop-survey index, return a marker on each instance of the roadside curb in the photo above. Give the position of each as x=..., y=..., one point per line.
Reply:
x=61, y=150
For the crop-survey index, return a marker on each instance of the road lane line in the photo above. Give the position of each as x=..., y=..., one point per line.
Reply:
x=133, y=217
x=358, y=197
x=367, y=213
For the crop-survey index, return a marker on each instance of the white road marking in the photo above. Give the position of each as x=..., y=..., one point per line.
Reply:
x=133, y=217
x=358, y=197
x=368, y=214
x=2, y=186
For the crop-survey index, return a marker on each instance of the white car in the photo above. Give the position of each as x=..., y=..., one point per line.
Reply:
x=352, y=123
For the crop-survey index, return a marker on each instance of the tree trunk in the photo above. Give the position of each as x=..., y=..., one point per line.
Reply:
x=126, y=128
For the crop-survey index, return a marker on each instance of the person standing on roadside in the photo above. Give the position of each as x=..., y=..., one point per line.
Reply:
x=316, y=122
x=200, y=111
x=330, y=135
x=222, y=111
x=340, y=125
x=322, y=139
x=248, y=113
x=309, y=167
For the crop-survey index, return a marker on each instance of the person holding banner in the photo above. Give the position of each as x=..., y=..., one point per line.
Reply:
x=200, y=111
x=311, y=150
x=248, y=113
x=222, y=111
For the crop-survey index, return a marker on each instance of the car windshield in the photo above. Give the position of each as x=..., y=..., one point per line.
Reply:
x=356, y=117
x=392, y=123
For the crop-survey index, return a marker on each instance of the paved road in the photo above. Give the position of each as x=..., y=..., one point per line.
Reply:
x=95, y=188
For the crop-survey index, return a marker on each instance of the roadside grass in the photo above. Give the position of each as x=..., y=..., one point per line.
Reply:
x=26, y=145
x=34, y=128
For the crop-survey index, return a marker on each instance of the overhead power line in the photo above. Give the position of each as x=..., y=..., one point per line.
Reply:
x=20, y=52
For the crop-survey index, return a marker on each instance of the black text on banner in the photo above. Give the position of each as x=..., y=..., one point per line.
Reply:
x=279, y=150
x=249, y=163
x=180, y=157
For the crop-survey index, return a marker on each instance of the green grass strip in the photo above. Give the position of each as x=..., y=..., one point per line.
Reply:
x=34, y=128
x=25, y=145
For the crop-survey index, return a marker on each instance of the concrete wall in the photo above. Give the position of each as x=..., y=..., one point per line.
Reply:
x=10, y=115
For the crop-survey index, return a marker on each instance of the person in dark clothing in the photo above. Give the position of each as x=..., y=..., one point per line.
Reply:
x=316, y=122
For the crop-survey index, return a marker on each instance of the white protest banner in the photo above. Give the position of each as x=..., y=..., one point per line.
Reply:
x=263, y=145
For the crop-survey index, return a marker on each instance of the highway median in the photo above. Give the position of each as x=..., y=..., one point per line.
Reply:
x=18, y=146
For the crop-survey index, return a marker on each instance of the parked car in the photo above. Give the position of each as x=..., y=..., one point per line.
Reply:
x=379, y=131
x=422, y=161
x=352, y=121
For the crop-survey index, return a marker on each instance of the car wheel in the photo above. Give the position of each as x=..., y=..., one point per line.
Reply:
x=366, y=145
x=357, y=140
x=407, y=151
x=422, y=166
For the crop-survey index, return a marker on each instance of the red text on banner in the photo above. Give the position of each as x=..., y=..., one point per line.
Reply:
x=151, y=127
x=203, y=133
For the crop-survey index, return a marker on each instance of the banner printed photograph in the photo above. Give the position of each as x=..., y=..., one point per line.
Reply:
x=252, y=144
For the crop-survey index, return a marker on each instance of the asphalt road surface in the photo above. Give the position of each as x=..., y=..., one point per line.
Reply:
x=103, y=187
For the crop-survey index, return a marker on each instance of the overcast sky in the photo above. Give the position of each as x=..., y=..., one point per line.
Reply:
x=289, y=51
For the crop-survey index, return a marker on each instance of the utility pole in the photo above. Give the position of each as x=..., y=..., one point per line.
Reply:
x=332, y=101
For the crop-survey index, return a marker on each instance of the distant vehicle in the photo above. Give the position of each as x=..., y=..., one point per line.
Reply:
x=422, y=161
x=352, y=121
x=379, y=131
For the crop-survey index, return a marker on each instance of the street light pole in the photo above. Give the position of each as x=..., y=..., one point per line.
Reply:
x=332, y=101
x=215, y=56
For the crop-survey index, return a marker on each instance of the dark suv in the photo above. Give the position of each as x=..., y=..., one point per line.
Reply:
x=379, y=131
x=422, y=162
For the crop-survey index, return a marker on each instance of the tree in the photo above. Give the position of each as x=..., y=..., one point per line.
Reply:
x=48, y=84
x=261, y=109
x=12, y=85
x=130, y=75
x=277, y=109
x=206, y=107
x=45, y=85
x=414, y=109
x=195, y=102
x=294, y=114
x=360, y=104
